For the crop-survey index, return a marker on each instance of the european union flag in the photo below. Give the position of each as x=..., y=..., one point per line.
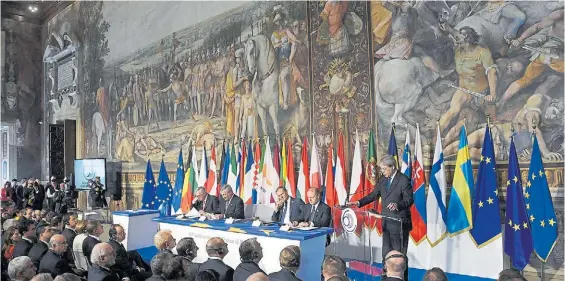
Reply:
x=148, y=198
x=164, y=191
x=539, y=206
x=486, y=216
x=179, y=180
x=392, y=149
x=517, y=235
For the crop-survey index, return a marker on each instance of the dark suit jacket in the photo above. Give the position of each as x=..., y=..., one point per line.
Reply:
x=283, y=275
x=401, y=193
x=295, y=211
x=226, y=272
x=322, y=217
x=22, y=248
x=234, y=209
x=97, y=273
x=123, y=263
x=212, y=205
x=37, y=251
x=54, y=264
x=244, y=270
x=193, y=267
x=87, y=246
x=69, y=235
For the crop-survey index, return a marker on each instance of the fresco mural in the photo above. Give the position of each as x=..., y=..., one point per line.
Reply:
x=21, y=92
x=460, y=62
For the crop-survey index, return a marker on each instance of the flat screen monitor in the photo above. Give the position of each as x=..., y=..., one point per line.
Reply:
x=88, y=169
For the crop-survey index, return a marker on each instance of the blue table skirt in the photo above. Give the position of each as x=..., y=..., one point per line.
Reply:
x=246, y=226
x=134, y=213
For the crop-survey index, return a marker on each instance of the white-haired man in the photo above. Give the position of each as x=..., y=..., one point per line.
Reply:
x=21, y=269
x=101, y=259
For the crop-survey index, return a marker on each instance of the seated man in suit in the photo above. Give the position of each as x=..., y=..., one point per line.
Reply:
x=102, y=259
x=125, y=260
x=94, y=229
x=206, y=203
x=250, y=253
x=290, y=262
x=54, y=261
x=174, y=270
x=231, y=206
x=70, y=221
x=333, y=266
x=187, y=250
x=40, y=248
x=164, y=241
x=315, y=213
x=27, y=230
x=21, y=269
x=288, y=209
x=217, y=249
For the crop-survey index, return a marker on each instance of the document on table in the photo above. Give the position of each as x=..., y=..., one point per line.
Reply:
x=306, y=227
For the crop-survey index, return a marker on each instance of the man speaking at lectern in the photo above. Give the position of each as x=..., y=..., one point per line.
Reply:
x=395, y=191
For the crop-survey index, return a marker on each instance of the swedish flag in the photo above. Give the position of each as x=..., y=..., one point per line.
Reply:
x=486, y=215
x=539, y=206
x=459, y=214
x=517, y=235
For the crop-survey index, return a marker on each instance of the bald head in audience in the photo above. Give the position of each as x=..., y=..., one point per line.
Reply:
x=435, y=274
x=214, y=245
x=333, y=266
x=259, y=276
x=395, y=264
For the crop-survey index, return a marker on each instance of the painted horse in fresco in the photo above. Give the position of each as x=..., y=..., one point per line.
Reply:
x=264, y=67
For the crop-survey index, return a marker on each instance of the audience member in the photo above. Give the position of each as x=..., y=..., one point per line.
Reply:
x=94, y=229
x=217, y=249
x=338, y=278
x=174, y=269
x=57, y=223
x=208, y=275
x=67, y=277
x=289, y=259
x=394, y=265
x=11, y=237
x=333, y=266
x=250, y=253
x=434, y=274
x=40, y=248
x=54, y=261
x=79, y=258
x=27, y=230
x=42, y=277
x=21, y=269
x=157, y=264
x=70, y=221
x=164, y=241
x=187, y=249
x=258, y=277
x=510, y=274
x=125, y=265
x=101, y=259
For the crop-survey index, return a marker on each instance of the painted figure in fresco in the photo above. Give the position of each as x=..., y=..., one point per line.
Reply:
x=151, y=99
x=234, y=89
x=332, y=31
x=538, y=110
x=219, y=71
x=176, y=88
x=102, y=100
x=248, y=114
x=299, y=58
x=547, y=51
x=262, y=65
x=139, y=99
x=125, y=141
x=405, y=23
x=284, y=43
x=202, y=85
x=477, y=73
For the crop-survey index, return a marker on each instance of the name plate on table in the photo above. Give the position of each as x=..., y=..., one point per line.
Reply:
x=202, y=218
x=285, y=228
x=256, y=223
x=228, y=221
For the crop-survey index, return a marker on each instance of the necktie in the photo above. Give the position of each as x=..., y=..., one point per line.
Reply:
x=204, y=205
x=283, y=214
x=312, y=212
x=389, y=181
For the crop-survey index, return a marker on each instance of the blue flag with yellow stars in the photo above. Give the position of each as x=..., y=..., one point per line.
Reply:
x=164, y=191
x=486, y=215
x=517, y=235
x=148, y=198
x=392, y=148
x=179, y=180
x=539, y=206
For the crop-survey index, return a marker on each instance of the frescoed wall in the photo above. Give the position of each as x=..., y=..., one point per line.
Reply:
x=155, y=76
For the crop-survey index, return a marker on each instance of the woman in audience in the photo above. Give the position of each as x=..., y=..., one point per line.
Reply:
x=11, y=237
x=80, y=260
x=208, y=275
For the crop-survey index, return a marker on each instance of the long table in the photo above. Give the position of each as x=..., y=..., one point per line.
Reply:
x=272, y=240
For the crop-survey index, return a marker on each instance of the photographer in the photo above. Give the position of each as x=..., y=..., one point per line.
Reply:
x=70, y=195
x=97, y=194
